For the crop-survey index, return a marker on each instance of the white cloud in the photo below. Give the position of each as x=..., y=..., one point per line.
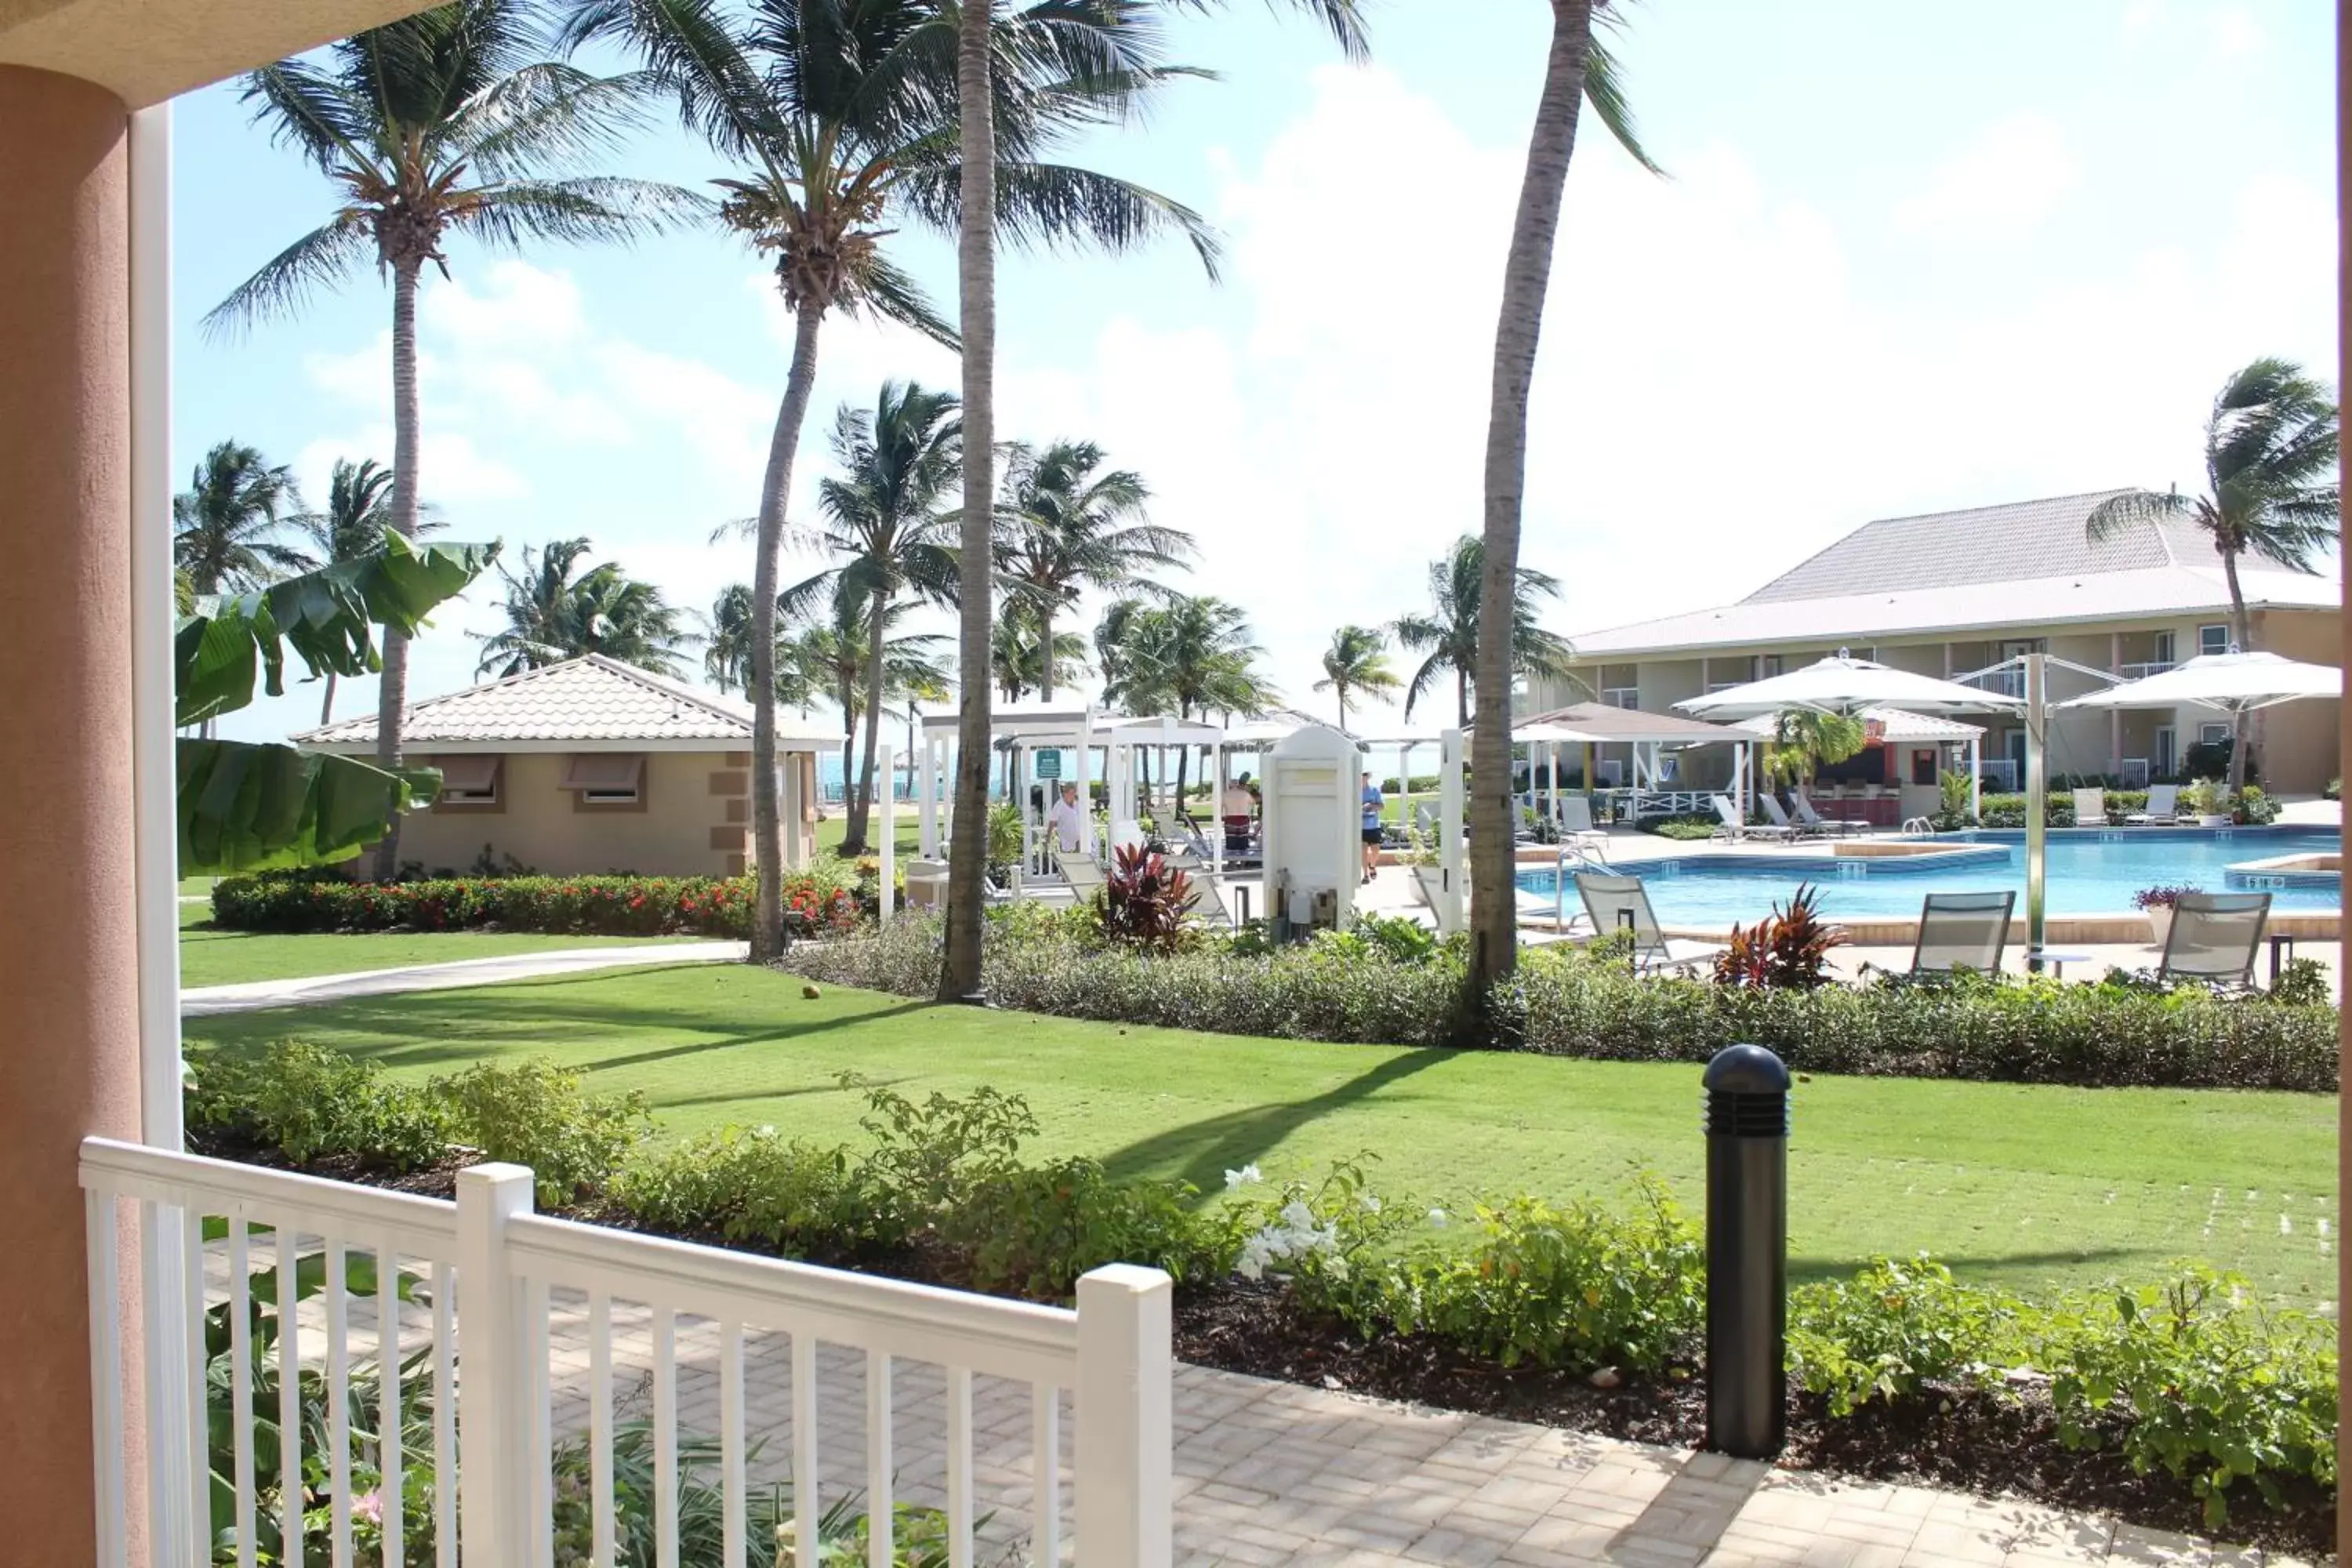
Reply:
x=2010, y=174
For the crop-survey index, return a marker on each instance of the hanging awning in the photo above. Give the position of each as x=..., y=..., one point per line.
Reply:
x=2229, y=682
x=601, y=771
x=476, y=773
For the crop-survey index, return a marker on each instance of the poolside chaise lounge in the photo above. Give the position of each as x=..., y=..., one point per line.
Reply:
x=1778, y=816
x=2163, y=807
x=1962, y=930
x=1576, y=821
x=1811, y=820
x=1622, y=903
x=2090, y=808
x=1730, y=824
x=2214, y=938
x=1082, y=871
x=1205, y=901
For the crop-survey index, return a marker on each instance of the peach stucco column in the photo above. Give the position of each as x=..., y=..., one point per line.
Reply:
x=68, y=1018
x=2344, y=737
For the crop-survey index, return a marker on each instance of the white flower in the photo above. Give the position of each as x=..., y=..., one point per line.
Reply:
x=1296, y=1216
x=1437, y=1218
x=767, y=1130
x=1336, y=1268
x=1242, y=1177
x=1370, y=1203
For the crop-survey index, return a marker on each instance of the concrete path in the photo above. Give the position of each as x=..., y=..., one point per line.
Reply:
x=309, y=990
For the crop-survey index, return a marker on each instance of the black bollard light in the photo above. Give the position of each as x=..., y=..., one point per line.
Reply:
x=1746, y=1252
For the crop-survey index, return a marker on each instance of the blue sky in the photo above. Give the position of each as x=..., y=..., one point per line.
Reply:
x=1906, y=259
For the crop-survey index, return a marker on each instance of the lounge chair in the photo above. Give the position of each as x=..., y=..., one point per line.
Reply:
x=1205, y=901
x=2163, y=807
x=1425, y=815
x=1812, y=821
x=1576, y=819
x=1777, y=816
x=1622, y=903
x=1730, y=824
x=2214, y=938
x=2090, y=808
x=1963, y=931
x=927, y=884
x=1082, y=871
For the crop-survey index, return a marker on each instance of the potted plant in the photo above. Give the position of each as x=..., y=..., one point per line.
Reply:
x=2156, y=904
x=2205, y=801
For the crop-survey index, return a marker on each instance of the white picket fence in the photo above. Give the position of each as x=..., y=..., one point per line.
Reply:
x=485, y=1266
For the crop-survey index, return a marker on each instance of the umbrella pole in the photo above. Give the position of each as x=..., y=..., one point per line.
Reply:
x=2037, y=808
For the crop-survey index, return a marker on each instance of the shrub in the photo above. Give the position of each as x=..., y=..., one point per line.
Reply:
x=2208, y=1383
x=2303, y=983
x=1788, y=950
x=2009, y=810
x=309, y=1103
x=1577, y=1286
x=1893, y=1327
x=2163, y=896
x=1034, y=1229
x=2254, y=808
x=1689, y=825
x=927, y=1156
x=1143, y=900
x=537, y=1114
x=748, y=1186
x=1575, y=1004
x=815, y=902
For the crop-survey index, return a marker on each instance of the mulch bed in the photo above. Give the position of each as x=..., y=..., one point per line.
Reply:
x=1960, y=1440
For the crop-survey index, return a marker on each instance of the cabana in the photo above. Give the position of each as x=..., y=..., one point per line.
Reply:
x=1655, y=742
x=1895, y=731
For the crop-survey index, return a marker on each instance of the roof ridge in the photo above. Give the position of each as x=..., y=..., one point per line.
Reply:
x=1996, y=506
x=659, y=684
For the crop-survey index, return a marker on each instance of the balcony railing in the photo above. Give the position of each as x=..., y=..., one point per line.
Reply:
x=1999, y=774
x=510, y=1330
x=2142, y=671
x=1621, y=696
x=2002, y=682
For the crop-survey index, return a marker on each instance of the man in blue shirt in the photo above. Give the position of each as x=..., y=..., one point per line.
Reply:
x=1371, y=826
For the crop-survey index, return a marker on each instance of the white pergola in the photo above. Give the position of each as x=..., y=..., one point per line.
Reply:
x=1896, y=725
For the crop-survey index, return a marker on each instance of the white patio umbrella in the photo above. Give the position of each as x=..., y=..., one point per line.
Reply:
x=2228, y=682
x=1842, y=684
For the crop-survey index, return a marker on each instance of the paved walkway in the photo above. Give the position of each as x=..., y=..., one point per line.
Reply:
x=253, y=994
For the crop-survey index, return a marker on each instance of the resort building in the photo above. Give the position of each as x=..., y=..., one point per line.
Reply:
x=1952, y=592
x=588, y=766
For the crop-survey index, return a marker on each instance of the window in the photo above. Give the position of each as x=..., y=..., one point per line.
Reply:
x=468, y=783
x=606, y=780
x=2212, y=639
x=2213, y=734
x=2161, y=653
x=1923, y=766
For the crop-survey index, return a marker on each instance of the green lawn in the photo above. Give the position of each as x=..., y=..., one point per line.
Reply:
x=835, y=828
x=2032, y=1186
x=209, y=957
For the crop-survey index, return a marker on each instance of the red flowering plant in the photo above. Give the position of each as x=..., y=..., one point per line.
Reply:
x=1143, y=900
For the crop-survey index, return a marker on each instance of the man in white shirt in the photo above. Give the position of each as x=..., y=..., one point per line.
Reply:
x=1068, y=821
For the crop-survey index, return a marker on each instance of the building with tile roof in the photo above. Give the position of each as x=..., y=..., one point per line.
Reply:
x=1947, y=593
x=587, y=766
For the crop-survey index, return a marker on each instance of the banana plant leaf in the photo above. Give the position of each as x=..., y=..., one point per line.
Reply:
x=245, y=806
x=328, y=617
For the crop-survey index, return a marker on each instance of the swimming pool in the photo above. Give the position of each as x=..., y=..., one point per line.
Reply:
x=2091, y=872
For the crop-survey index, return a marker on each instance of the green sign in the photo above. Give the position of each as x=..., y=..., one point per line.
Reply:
x=1049, y=764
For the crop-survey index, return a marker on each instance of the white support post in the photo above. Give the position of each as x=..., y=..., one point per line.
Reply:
x=792, y=809
x=1976, y=778
x=1217, y=819
x=926, y=820
x=885, y=773
x=1449, y=832
x=493, y=1429
x=1125, y=1403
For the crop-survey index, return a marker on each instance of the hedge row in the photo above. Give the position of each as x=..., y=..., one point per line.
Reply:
x=1563, y=1004
x=614, y=906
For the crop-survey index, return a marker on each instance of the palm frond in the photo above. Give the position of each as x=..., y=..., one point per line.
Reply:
x=2111, y=517
x=321, y=258
x=1605, y=89
x=1041, y=206
x=548, y=114
x=310, y=110
x=600, y=208
x=888, y=290
x=703, y=62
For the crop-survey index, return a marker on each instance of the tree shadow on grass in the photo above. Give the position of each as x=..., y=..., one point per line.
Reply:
x=1202, y=1152
x=1806, y=1270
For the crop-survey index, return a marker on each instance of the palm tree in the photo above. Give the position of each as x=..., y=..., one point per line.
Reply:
x=1064, y=527
x=841, y=116
x=835, y=648
x=1578, y=69
x=898, y=460
x=446, y=122
x=553, y=616
x=225, y=525
x=2271, y=490
x=1448, y=637
x=358, y=512
x=981, y=207
x=727, y=639
x=1357, y=660
x=1194, y=655
x=1018, y=661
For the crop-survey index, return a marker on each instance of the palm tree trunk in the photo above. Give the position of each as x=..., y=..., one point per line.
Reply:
x=392, y=685
x=1493, y=950
x=976, y=290
x=2242, y=626
x=1340, y=687
x=1046, y=653
x=326, y=707
x=767, y=825
x=854, y=843
x=1461, y=698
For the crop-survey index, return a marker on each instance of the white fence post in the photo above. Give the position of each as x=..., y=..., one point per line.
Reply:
x=1126, y=1411
x=493, y=1429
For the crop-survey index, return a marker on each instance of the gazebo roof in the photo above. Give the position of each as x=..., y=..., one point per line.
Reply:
x=1894, y=724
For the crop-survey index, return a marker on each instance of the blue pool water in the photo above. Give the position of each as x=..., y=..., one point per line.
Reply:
x=2091, y=872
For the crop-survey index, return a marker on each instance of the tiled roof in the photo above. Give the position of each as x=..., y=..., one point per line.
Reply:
x=1982, y=544
x=2022, y=564
x=589, y=699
